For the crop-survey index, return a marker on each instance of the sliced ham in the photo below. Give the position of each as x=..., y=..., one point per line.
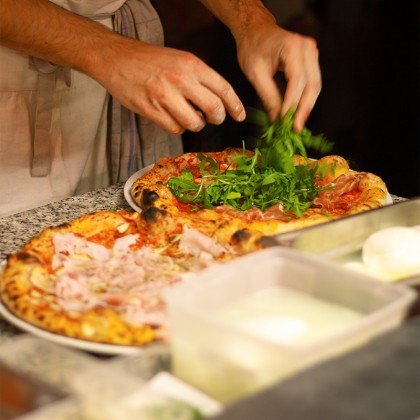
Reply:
x=194, y=242
x=131, y=281
x=73, y=293
x=70, y=244
x=123, y=244
x=146, y=310
x=272, y=213
x=331, y=199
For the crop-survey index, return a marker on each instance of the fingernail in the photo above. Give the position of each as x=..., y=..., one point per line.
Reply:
x=198, y=127
x=297, y=127
x=242, y=116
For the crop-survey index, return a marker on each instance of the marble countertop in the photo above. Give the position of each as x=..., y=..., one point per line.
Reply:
x=17, y=229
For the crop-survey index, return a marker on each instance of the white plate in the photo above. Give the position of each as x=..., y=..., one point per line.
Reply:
x=90, y=346
x=130, y=182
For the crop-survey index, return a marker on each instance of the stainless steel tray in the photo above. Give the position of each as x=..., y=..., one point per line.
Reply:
x=340, y=238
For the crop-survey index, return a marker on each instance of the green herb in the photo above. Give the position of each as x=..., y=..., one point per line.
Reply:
x=279, y=142
x=262, y=180
x=249, y=185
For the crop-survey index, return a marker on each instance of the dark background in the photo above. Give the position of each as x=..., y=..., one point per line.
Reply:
x=369, y=57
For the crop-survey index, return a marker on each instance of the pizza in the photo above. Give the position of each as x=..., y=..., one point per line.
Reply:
x=102, y=277
x=332, y=191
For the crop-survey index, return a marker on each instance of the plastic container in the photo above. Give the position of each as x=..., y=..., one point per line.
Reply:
x=230, y=359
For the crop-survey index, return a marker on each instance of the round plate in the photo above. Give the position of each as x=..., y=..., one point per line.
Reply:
x=90, y=346
x=129, y=183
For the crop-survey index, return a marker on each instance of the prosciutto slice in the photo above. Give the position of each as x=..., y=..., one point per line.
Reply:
x=130, y=280
x=272, y=213
x=332, y=199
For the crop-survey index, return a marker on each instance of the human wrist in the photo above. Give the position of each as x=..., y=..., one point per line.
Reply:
x=256, y=16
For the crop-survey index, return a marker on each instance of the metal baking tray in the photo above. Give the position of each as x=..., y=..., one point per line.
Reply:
x=340, y=238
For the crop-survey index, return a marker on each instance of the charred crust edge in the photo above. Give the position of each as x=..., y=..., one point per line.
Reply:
x=153, y=214
x=26, y=257
x=149, y=197
x=240, y=236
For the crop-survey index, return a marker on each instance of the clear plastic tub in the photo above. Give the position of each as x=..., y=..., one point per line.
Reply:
x=239, y=327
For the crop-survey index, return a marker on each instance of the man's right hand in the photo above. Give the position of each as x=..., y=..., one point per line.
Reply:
x=173, y=88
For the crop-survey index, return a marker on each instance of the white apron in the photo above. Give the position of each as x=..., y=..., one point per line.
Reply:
x=54, y=121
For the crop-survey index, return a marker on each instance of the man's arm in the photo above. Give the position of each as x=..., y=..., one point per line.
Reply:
x=264, y=48
x=163, y=84
x=44, y=30
x=239, y=15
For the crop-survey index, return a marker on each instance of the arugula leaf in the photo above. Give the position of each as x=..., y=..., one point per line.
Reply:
x=249, y=185
x=261, y=180
x=279, y=142
x=185, y=189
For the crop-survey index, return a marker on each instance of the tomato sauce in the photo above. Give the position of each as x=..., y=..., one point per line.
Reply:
x=352, y=196
x=105, y=238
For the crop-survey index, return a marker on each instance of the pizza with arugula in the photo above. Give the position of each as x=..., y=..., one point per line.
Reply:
x=243, y=194
x=228, y=195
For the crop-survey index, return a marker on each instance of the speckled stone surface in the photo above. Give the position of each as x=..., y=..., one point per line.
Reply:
x=17, y=229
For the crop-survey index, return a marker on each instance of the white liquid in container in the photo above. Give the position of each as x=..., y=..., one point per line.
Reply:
x=277, y=316
x=287, y=316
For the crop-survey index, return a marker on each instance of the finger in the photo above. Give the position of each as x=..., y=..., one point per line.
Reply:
x=187, y=116
x=313, y=85
x=173, y=110
x=208, y=103
x=296, y=77
x=267, y=90
x=294, y=90
x=163, y=118
x=304, y=85
x=215, y=111
x=306, y=104
x=270, y=96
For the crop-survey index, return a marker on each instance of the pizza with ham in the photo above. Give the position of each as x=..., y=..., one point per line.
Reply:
x=101, y=277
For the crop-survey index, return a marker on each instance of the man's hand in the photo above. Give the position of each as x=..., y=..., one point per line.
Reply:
x=173, y=88
x=264, y=52
x=264, y=49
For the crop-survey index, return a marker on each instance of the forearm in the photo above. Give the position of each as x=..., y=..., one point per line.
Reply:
x=240, y=15
x=44, y=30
